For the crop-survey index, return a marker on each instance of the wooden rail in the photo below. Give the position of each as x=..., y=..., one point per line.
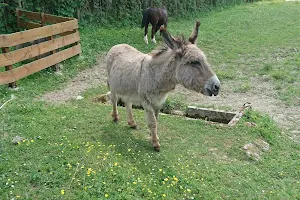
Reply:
x=39, y=40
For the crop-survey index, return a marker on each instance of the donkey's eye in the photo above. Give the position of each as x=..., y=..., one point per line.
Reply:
x=195, y=63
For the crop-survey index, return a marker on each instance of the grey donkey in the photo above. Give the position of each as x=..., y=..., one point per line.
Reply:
x=146, y=79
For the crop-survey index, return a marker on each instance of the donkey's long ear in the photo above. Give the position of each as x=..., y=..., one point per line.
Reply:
x=169, y=40
x=194, y=35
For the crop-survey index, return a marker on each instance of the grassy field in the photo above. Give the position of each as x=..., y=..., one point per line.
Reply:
x=74, y=151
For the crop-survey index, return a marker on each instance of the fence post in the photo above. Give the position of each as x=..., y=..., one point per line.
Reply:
x=56, y=66
x=8, y=68
x=18, y=18
x=42, y=18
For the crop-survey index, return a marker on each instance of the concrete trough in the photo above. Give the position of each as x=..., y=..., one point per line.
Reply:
x=230, y=118
x=210, y=115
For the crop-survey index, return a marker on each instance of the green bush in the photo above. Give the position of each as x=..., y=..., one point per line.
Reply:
x=107, y=12
x=7, y=18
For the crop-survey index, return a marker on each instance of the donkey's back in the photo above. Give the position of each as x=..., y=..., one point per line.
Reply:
x=123, y=56
x=124, y=65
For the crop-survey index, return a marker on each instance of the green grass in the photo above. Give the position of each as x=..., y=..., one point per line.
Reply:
x=74, y=151
x=78, y=149
x=243, y=87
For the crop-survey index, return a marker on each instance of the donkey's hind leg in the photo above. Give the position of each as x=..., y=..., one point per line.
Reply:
x=130, y=119
x=114, y=114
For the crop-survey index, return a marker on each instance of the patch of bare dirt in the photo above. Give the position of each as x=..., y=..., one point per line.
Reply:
x=261, y=96
x=84, y=80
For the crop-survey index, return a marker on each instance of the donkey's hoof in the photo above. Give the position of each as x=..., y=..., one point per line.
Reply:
x=132, y=125
x=157, y=148
x=116, y=120
x=135, y=127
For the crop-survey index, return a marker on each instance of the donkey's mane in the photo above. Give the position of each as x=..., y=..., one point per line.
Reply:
x=180, y=40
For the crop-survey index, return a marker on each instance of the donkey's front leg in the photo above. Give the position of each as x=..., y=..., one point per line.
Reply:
x=130, y=119
x=156, y=112
x=152, y=124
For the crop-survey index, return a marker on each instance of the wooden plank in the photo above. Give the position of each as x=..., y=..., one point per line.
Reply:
x=66, y=33
x=38, y=65
x=11, y=84
x=56, y=19
x=3, y=41
x=48, y=18
x=37, y=49
x=31, y=15
x=6, y=77
x=35, y=34
x=29, y=25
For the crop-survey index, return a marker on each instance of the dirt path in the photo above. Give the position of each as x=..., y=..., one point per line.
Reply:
x=84, y=80
x=261, y=96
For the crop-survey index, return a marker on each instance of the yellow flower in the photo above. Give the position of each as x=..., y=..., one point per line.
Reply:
x=160, y=170
x=115, y=164
x=188, y=190
x=166, y=179
x=134, y=182
x=106, y=195
x=31, y=140
x=164, y=195
x=175, y=179
x=89, y=171
x=62, y=192
x=69, y=165
x=18, y=196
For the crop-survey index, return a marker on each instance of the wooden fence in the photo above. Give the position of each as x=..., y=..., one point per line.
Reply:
x=49, y=40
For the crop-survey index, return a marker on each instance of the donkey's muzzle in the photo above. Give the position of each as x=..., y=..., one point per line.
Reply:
x=212, y=86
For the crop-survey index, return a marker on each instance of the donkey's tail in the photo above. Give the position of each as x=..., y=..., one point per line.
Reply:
x=145, y=18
